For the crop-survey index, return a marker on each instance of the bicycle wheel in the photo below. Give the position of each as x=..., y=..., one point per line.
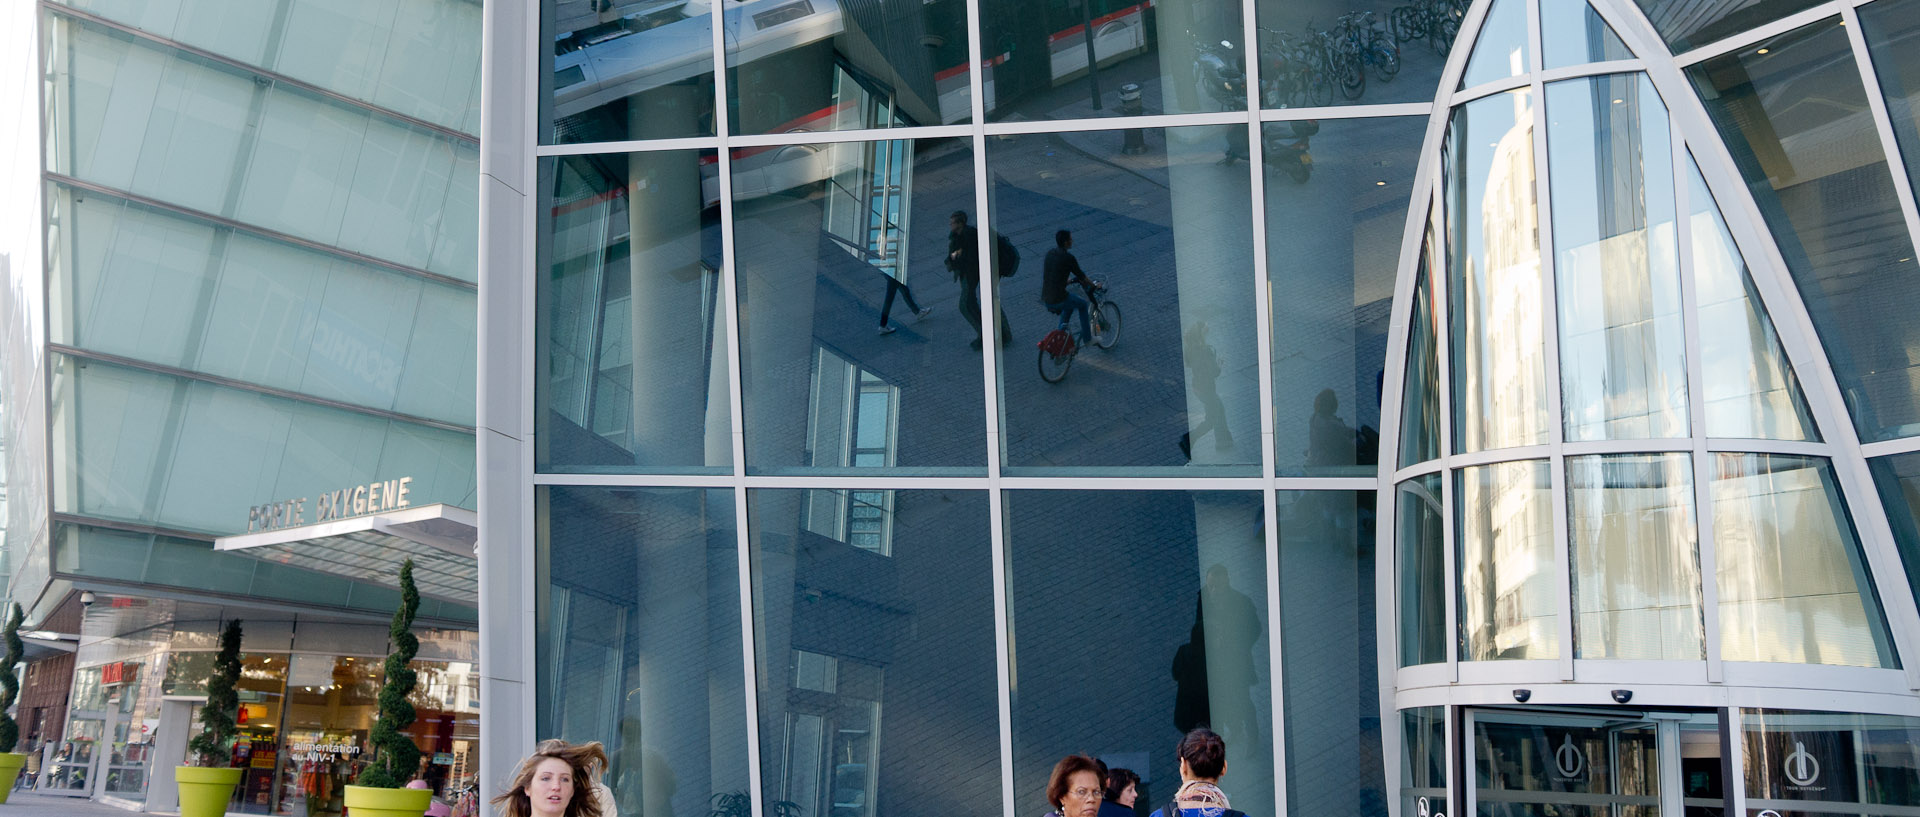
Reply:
x=1053, y=368
x=1386, y=62
x=1106, y=324
x=1353, y=75
x=1321, y=91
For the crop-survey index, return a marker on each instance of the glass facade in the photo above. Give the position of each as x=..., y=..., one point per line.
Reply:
x=261, y=257
x=1389, y=388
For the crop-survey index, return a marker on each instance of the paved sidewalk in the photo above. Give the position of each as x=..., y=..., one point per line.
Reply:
x=28, y=804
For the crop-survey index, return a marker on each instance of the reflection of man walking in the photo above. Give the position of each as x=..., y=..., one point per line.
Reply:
x=886, y=306
x=963, y=260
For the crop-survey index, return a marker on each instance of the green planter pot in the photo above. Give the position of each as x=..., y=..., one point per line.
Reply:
x=10, y=765
x=205, y=791
x=369, y=802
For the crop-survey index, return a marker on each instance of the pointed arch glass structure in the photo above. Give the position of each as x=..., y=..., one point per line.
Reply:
x=1474, y=393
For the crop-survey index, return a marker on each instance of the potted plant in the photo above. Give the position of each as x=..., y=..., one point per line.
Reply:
x=379, y=792
x=10, y=760
x=207, y=785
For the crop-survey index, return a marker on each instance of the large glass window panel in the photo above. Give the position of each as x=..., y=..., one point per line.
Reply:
x=1572, y=33
x=1182, y=56
x=1496, y=293
x=1636, y=558
x=187, y=131
x=1623, y=363
x=1331, y=672
x=630, y=70
x=1890, y=29
x=1898, y=480
x=874, y=628
x=1800, y=762
x=420, y=58
x=638, y=632
x=1793, y=584
x=819, y=65
x=1187, y=572
x=1170, y=234
x=1332, y=256
x=1421, y=402
x=1689, y=24
x=1820, y=179
x=1423, y=761
x=1420, y=536
x=854, y=331
x=631, y=340
x=1500, y=50
x=1381, y=51
x=237, y=30
x=189, y=455
x=1750, y=387
x=1509, y=601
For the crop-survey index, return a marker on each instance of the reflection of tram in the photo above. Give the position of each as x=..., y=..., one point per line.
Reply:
x=1058, y=28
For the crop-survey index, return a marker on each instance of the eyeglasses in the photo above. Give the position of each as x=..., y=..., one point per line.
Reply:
x=1087, y=794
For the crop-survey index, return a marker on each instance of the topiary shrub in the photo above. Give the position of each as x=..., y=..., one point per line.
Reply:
x=10, y=682
x=395, y=758
x=214, y=745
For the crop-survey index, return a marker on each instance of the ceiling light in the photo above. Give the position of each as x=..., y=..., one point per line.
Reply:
x=1618, y=101
x=1761, y=51
x=1379, y=184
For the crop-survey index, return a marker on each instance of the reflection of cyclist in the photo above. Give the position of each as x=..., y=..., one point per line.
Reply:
x=1060, y=266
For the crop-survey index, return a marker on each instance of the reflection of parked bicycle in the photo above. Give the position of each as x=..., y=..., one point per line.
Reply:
x=1058, y=348
x=1360, y=46
x=1436, y=21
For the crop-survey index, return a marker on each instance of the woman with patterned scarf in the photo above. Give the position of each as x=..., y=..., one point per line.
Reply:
x=1203, y=759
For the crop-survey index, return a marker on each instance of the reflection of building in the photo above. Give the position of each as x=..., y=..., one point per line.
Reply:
x=256, y=310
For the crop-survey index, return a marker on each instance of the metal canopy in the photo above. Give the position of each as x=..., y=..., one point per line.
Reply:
x=439, y=538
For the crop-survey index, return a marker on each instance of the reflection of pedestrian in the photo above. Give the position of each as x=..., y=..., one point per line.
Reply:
x=1203, y=373
x=1214, y=672
x=886, y=306
x=1060, y=267
x=963, y=260
x=1330, y=441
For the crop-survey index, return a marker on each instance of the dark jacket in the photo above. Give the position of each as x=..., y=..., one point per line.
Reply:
x=1060, y=266
x=965, y=268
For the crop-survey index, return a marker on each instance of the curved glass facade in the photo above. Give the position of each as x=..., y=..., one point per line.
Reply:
x=1457, y=406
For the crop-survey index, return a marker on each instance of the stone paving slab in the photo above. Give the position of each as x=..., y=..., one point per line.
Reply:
x=28, y=804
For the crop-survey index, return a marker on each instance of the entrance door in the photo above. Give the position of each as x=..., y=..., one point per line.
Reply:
x=78, y=764
x=1534, y=763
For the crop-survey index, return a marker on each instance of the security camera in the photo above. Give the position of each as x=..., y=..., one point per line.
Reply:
x=1520, y=696
x=1621, y=696
x=86, y=598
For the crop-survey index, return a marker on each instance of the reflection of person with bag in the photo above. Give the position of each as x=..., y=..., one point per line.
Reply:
x=963, y=260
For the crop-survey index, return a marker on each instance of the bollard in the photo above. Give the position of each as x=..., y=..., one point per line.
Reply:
x=1134, y=140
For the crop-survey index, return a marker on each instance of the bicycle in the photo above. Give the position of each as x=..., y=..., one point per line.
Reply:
x=1058, y=348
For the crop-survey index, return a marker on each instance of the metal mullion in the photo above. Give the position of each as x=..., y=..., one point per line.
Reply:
x=730, y=288
x=1168, y=120
x=1325, y=483
x=1625, y=446
x=1485, y=89
x=1433, y=466
x=1882, y=122
x=1705, y=559
x=1590, y=69
x=1754, y=35
x=864, y=135
x=1798, y=448
x=1800, y=340
x=1733, y=738
x=1347, y=111
x=628, y=146
x=989, y=308
x=1263, y=335
x=1884, y=448
x=1550, y=351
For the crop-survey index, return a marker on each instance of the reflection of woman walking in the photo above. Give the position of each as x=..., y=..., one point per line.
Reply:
x=886, y=306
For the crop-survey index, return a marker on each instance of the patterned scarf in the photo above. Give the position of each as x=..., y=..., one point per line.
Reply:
x=1201, y=796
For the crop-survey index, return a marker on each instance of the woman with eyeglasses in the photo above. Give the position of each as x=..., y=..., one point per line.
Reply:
x=1075, y=788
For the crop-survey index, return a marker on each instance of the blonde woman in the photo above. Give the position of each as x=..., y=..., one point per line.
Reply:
x=557, y=780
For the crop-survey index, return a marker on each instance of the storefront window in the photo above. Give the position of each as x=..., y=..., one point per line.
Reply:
x=1822, y=762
